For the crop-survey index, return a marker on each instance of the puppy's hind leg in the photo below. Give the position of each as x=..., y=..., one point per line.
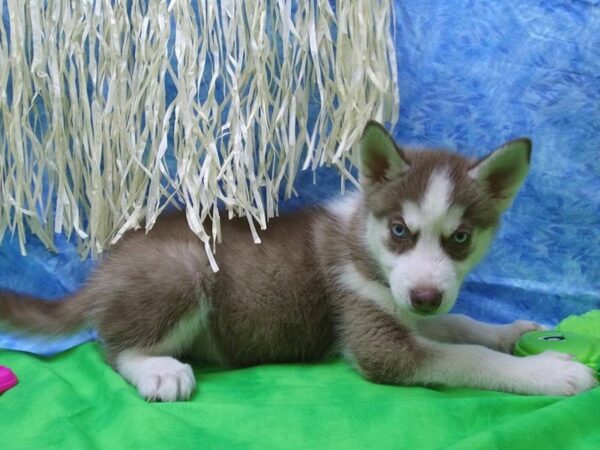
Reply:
x=155, y=301
x=160, y=378
x=154, y=370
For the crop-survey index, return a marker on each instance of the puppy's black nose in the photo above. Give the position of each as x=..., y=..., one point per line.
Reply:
x=425, y=299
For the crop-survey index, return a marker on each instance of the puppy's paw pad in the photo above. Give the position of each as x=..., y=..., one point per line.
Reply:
x=166, y=379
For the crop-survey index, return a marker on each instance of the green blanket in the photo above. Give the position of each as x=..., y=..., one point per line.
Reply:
x=75, y=401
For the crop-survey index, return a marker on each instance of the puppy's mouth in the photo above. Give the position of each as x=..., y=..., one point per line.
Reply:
x=424, y=313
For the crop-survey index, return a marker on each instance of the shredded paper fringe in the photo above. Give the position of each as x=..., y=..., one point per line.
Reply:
x=111, y=110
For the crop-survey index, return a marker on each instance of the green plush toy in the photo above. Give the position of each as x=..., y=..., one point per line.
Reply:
x=575, y=335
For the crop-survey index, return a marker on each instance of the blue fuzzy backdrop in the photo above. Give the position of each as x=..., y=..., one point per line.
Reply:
x=472, y=75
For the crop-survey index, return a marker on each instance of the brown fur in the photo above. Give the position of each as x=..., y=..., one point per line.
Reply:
x=30, y=314
x=272, y=302
x=275, y=302
x=382, y=348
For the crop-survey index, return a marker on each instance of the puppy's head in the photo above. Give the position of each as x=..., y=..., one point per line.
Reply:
x=431, y=215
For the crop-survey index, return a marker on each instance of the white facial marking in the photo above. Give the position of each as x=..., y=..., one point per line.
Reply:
x=434, y=210
x=437, y=196
x=426, y=265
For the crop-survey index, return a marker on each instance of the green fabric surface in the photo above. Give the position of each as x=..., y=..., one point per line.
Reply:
x=75, y=401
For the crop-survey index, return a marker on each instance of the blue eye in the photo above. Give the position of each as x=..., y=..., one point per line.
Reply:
x=460, y=237
x=399, y=230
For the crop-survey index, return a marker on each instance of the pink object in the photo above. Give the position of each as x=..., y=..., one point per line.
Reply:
x=7, y=379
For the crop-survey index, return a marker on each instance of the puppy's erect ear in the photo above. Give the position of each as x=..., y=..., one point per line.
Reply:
x=379, y=155
x=503, y=171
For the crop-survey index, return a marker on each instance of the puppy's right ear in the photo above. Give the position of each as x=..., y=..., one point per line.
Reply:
x=380, y=157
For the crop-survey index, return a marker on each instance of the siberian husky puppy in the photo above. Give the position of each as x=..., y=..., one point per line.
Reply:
x=369, y=276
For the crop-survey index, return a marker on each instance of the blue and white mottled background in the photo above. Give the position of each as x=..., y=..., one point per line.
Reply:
x=472, y=75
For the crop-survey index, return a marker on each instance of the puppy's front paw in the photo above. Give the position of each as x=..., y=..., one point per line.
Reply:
x=509, y=334
x=554, y=373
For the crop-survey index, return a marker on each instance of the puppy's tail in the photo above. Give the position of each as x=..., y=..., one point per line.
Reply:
x=33, y=315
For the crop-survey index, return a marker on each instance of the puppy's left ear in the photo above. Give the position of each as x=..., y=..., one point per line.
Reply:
x=380, y=157
x=503, y=171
